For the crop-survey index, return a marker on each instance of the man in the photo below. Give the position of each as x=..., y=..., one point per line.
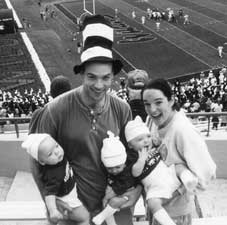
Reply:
x=186, y=19
x=137, y=79
x=79, y=120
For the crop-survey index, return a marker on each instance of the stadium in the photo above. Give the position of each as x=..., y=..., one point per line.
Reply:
x=39, y=41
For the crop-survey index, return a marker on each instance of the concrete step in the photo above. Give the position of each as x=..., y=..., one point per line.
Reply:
x=5, y=184
x=23, y=188
x=22, y=210
x=213, y=201
x=139, y=210
x=210, y=221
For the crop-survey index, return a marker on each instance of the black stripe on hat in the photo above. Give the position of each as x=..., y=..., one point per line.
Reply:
x=91, y=19
x=97, y=41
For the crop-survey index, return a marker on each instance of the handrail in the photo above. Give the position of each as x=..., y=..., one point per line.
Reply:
x=17, y=120
x=208, y=115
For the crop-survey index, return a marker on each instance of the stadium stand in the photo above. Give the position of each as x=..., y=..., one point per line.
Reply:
x=17, y=70
x=18, y=75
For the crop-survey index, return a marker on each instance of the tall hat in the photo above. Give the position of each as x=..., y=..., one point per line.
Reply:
x=135, y=128
x=98, y=36
x=113, y=152
x=31, y=144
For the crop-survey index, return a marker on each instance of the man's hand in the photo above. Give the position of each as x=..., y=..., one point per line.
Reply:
x=64, y=208
x=132, y=195
x=55, y=216
x=108, y=195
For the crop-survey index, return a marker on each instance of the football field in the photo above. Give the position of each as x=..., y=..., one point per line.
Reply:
x=175, y=50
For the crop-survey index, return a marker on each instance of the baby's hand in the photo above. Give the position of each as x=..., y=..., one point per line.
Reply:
x=190, y=181
x=55, y=216
x=143, y=154
x=191, y=185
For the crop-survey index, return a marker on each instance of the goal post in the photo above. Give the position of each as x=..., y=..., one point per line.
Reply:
x=89, y=6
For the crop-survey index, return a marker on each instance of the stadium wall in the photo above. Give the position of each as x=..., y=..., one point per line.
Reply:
x=13, y=157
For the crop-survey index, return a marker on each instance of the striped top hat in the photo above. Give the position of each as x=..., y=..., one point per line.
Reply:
x=98, y=36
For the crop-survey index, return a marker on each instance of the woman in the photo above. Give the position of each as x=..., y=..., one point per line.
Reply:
x=184, y=146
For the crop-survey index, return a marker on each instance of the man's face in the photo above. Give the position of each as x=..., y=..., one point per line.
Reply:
x=97, y=79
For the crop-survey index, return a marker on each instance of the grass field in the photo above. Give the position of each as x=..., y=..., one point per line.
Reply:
x=176, y=50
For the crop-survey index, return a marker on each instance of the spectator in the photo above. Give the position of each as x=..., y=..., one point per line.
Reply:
x=2, y=123
x=79, y=120
x=216, y=107
x=59, y=85
x=136, y=81
x=173, y=129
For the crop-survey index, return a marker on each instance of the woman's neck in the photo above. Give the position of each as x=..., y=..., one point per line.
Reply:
x=169, y=119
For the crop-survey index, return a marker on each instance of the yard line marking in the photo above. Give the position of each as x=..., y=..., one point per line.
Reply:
x=195, y=12
x=208, y=7
x=124, y=58
x=68, y=12
x=188, y=33
x=163, y=36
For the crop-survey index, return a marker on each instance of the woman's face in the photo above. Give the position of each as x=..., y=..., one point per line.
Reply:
x=157, y=106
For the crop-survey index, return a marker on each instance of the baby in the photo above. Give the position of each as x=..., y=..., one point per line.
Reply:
x=159, y=180
x=57, y=177
x=119, y=168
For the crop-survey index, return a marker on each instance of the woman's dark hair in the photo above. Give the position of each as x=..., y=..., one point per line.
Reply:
x=163, y=86
x=159, y=84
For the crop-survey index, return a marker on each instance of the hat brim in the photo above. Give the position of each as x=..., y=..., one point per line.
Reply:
x=117, y=64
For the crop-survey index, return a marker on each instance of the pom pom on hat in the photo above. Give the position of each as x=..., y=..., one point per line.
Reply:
x=113, y=152
x=31, y=144
x=135, y=128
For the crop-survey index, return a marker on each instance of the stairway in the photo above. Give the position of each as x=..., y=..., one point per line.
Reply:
x=23, y=200
x=21, y=203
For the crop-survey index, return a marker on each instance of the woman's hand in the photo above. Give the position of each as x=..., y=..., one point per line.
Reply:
x=132, y=195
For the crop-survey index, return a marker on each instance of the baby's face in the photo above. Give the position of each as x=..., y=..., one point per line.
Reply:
x=140, y=142
x=115, y=169
x=50, y=152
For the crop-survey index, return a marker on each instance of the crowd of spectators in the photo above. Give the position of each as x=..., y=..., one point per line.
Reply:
x=204, y=93
x=21, y=104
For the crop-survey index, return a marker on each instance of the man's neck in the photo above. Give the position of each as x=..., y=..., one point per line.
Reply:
x=91, y=104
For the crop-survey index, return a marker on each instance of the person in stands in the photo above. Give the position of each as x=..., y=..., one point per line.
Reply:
x=79, y=120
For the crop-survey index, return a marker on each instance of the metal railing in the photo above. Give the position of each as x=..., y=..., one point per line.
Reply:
x=15, y=121
x=208, y=116
x=197, y=120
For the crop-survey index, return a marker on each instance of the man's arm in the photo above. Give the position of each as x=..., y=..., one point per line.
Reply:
x=133, y=196
x=54, y=214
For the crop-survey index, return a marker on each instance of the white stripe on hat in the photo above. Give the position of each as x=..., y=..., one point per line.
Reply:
x=98, y=29
x=96, y=51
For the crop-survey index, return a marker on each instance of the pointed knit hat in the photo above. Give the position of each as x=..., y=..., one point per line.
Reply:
x=31, y=144
x=113, y=152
